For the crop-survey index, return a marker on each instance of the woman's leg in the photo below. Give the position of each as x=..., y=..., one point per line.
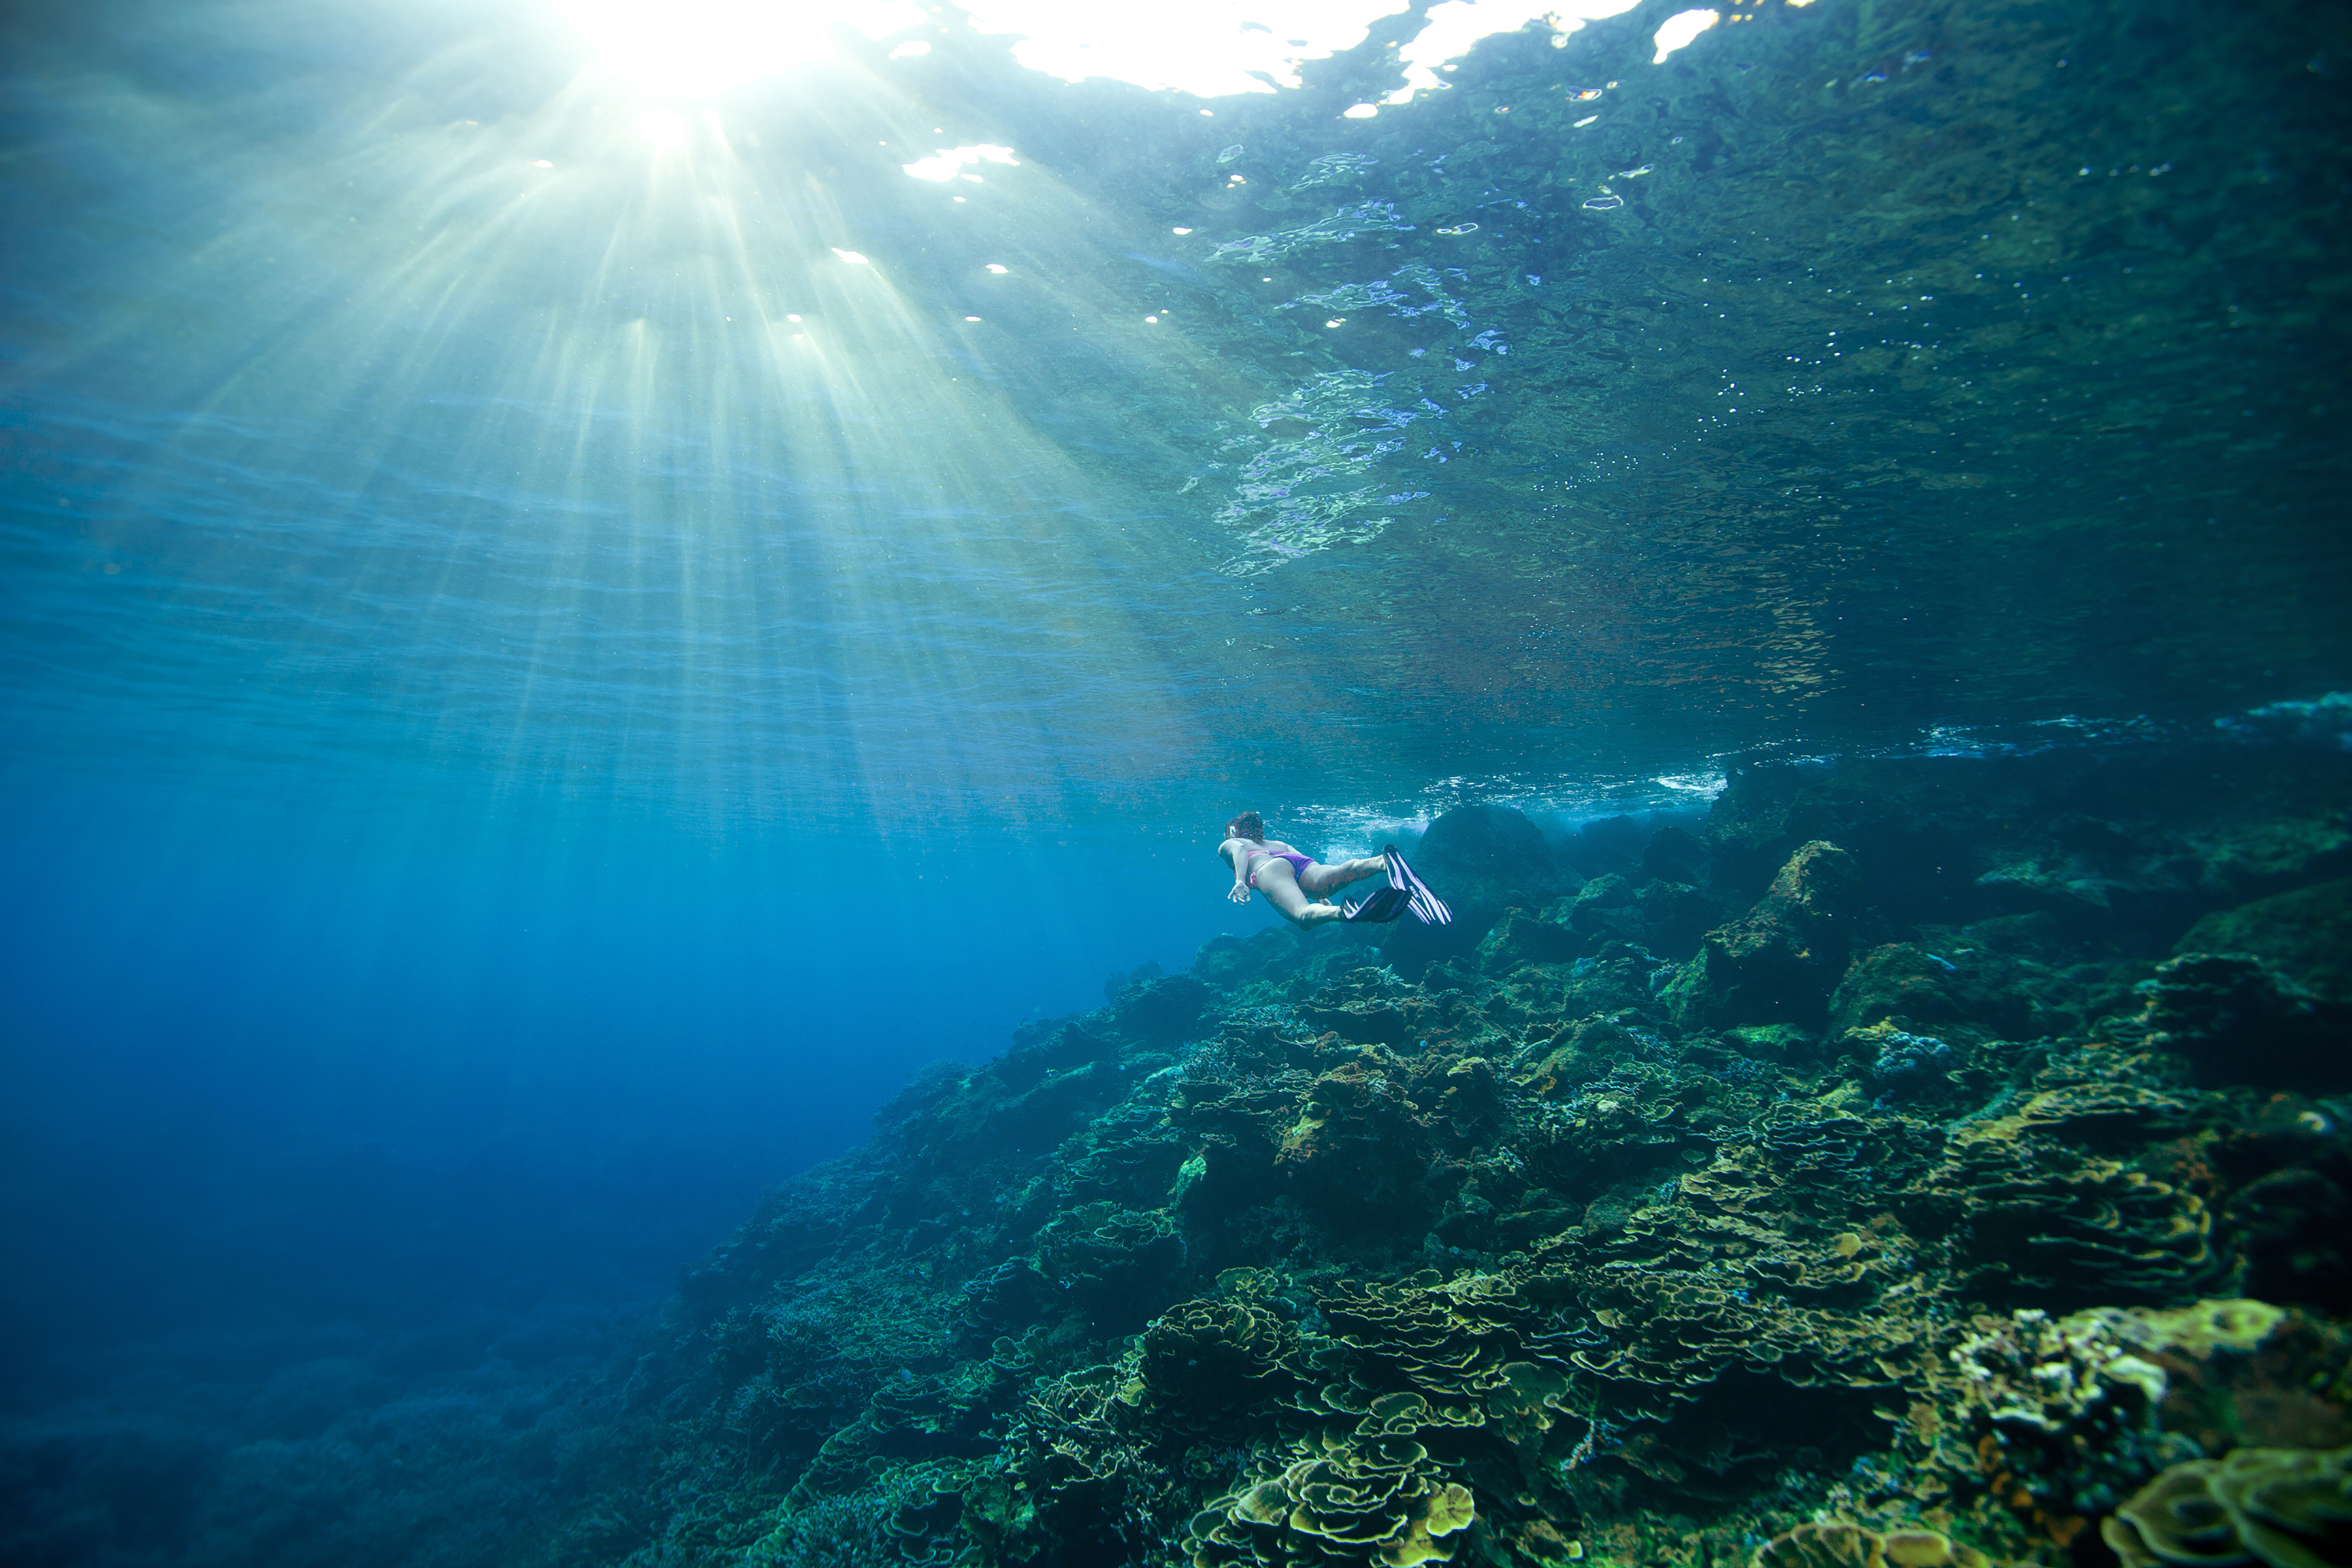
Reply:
x=1280, y=886
x=1322, y=879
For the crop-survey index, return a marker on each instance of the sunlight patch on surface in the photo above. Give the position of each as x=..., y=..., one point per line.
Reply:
x=950, y=162
x=1455, y=26
x=1212, y=49
x=684, y=47
x=1680, y=30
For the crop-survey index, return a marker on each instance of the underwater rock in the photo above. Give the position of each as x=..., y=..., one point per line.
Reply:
x=1162, y=1010
x=2135, y=844
x=1149, y=969
x=1488, y=856
x=1673, y=855
x=1520, y=939
x=1664, y=918
x=1482, y=860
x=2305, y=935
x=1903, y=984
x=2237, y=1020
x=2288, y=1221
x=2284, y=1508
x=1231, y=961
x=1359, y=1142
x=1606, y=844
x=1778, y=962
x=1771, y=1042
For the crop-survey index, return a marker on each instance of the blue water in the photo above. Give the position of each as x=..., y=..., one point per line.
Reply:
x=538, y=692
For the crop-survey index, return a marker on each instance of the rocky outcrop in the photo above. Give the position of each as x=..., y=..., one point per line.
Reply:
x=1779, y=961
x=2305, y=935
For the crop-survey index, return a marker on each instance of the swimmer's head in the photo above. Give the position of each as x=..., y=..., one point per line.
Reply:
x=1248, y=825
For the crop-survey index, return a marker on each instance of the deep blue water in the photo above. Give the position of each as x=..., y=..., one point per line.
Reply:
x=538, y=692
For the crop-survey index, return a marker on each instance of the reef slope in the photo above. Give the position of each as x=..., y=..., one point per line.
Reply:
x=1912, y=1166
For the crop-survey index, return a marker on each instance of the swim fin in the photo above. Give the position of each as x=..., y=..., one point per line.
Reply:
x=1426, y=904
x=1379, y=907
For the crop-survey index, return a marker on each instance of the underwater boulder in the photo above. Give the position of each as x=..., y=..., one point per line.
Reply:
x=1358, y=1147
x=1603, y=847
x=1482, y=860
x=1115, y=985
x=2239, y=1021
x=2295, y=1228
x=2284, y=844
x=2307, y=935
x=1520, y=939
x=1915, y=822
x=1896, y=982
x=1229, y=963
x=1673, y=854
x=1604, y=908
x=1904, y=983
x=1488, y=856
x=1162, y=1011
x=1777, y=961
x=1674, y=917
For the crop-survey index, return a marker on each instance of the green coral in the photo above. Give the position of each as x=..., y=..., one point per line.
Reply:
x=2284, y=1508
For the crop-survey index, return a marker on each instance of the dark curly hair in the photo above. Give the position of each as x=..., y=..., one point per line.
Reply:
x=1248, y=825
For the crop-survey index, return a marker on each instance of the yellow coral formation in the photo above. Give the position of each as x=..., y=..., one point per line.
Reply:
x=2285, y=1508
x=1341, y=1502
x=1841, y=1544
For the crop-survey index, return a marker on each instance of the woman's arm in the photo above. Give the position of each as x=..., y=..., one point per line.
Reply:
x=1235, y=856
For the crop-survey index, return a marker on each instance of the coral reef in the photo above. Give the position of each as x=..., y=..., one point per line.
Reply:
x=2285, y=1508
x=1861, y=1179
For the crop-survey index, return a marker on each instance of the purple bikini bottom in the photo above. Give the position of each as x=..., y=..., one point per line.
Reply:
x=1299, y=863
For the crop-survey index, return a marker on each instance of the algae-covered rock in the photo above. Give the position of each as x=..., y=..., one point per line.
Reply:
x=2235, y=1019
x=1520, y=939
x=1778, y=962
x=2307, y=935
x=1163, y=1009
x=1904, y=983
x=1675, y=855
x=1482, y=860
x=1771, y=1042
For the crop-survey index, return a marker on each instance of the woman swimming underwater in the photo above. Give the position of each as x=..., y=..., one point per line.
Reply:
x=1294, y=884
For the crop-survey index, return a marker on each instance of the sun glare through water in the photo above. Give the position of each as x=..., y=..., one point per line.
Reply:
x=759, y=351
x=696, y=47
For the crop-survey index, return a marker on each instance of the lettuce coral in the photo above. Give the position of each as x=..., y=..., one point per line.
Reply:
x=2284, y=1508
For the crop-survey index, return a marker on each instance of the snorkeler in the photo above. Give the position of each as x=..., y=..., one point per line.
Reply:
x=1286, y=878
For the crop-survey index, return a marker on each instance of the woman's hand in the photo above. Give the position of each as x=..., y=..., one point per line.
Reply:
x=1240, y=894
